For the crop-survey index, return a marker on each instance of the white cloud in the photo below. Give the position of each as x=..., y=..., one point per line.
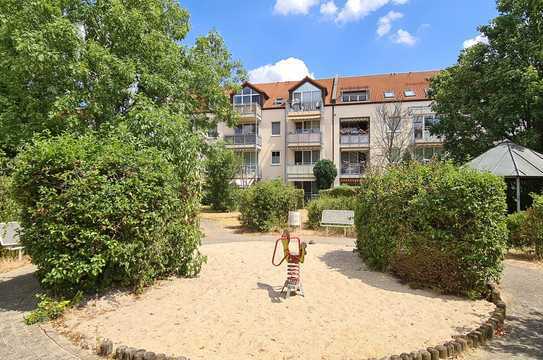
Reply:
x=479, y=39
x=358, y=9
x=385, y=22
x=329, y=8
x=404, y=37
x=283, y=70
x=296, y=7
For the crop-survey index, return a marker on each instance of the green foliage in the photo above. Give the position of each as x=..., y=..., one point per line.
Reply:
x=342, y=190
x=494, y=91
x=328, y=202
x=9, y=209
x=515, y=223
x=221, y=167
x=532, y=228
x=325, y=173
x=80, y=65
x=102, y=212
x=50, y=309
x=266, y=204
x=415, y=209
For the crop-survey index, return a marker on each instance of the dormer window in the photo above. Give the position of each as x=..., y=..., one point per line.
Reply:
x=389, y=94
x=247, y=96
x=354, y=96
x=279, y=101
x=307, y=97
x=409, y=93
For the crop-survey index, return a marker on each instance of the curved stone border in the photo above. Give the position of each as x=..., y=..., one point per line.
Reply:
x=450, y=349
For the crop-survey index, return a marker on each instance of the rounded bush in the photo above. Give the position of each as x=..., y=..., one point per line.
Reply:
x=97, y=213
x=325, y=173
x=266, y=204
x=415, y=217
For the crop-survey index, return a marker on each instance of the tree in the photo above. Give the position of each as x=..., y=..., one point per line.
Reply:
x=83, y=66
x=221, y=167
x=325, y=173
x=494, y=92
x=393, y=139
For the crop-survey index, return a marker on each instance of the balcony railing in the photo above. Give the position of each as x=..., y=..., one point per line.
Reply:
x=426, y=136
x=297, y=106
x=354, y=139
x=353, y=169
x=303, y=170
x=252, y=109
x=248, y=171
x=308, y=138
x=243, y=140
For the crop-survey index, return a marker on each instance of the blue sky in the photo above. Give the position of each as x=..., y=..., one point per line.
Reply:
x=280, y=40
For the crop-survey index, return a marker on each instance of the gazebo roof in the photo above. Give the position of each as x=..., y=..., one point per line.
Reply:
x=510, y=160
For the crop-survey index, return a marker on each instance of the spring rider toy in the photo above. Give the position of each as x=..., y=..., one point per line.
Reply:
x=294, y=256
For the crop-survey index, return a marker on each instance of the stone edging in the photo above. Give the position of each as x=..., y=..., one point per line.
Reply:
x=450, y=349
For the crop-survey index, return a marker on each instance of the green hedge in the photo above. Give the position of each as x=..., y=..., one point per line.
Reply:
x=515, y=223
x=98, y=213
x=342, y=190
x=265, y=205
x=435, y=225
x=327, y=202
x=532, y=228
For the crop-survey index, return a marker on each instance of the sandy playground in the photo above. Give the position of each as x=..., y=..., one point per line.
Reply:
x=233, y=310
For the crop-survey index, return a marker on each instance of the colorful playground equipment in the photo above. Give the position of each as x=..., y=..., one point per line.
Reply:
x=294, y=251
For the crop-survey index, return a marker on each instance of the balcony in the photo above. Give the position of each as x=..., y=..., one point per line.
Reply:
x=309, y=138
x=352, y=169
x=300, y=171
x=354, y=140
x=308, y=110
x=427, y=137
x=241, y=141
x=249, y=112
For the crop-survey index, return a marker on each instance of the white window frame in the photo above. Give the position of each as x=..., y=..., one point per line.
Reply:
x=272, y=157
x=276, y=122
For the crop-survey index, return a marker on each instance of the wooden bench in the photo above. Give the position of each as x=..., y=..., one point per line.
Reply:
x=337, y=218
x=9, y=237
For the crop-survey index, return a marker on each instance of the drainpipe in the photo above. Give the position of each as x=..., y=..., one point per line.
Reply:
x=285, y=139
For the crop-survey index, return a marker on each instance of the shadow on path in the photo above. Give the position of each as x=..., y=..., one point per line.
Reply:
x=17, y=292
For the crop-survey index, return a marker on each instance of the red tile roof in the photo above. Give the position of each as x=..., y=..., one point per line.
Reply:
x=376, y=84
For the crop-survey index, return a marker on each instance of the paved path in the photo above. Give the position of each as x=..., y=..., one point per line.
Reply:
x=19, y=341
x=523, y=291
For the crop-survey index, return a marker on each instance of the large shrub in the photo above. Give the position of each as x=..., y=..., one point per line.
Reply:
x=416, y=217
x=327, y=202
x=325, y=173
x=98, y=213
x=266, y=204
x=515, y=224
x=221, y=167
x=342, y=190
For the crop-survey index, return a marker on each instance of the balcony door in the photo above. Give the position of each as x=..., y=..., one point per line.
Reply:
x=308, y=127
x=245, y=129
x=352, y=162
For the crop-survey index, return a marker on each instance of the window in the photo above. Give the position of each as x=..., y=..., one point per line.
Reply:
x=389, y=94
x=276, y=128
x=279, y=101
x=308, y=126
x=306, y=157
x=245, y=129
x=307, y=97
x=425, y=154
x=409, y=93
x=247, y=96
x=423, y=124
x=354, y=96
x=394, y=124
x=276, y=157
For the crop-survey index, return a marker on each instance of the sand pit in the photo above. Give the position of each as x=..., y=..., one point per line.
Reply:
x=233, y=310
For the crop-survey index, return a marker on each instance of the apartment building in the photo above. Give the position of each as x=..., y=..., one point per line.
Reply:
x=286, y=127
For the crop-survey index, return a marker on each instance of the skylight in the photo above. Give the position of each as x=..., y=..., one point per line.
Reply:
x=389, y=94
x=409, y=93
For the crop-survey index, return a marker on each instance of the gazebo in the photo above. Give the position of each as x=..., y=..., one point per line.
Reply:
x=511, y=161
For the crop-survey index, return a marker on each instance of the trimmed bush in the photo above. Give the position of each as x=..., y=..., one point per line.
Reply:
x=515, y=223
x=325, y=173
x=265, y=205
x=98, y=213
x=343, y=190
x=532, y=228
x=416, y=218
x=327, y=202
